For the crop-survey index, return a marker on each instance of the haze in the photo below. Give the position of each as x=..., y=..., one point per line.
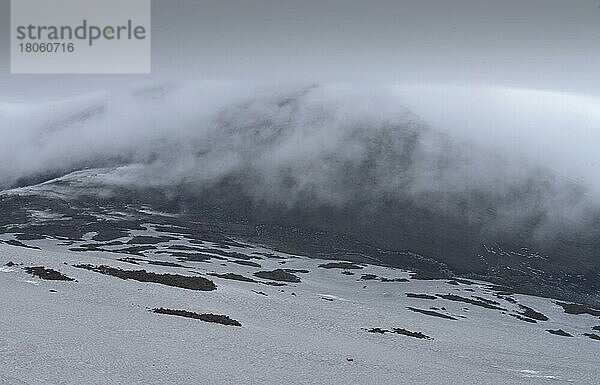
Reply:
x=519, y=76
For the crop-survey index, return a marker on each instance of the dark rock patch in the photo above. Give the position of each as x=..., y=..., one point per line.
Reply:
x=278, y=275
x=452, y=282
x=456, y=298
x=181, y=281
x=164, y=263
x=133, y=261
x=341, y=265
x=108, y=232
x=411, y=334
x=424, y=275
x=173, y=229
x=184, y=248
x=232, y=276
x=421, y=296
x=10, y=264
x=597, y=328
x=507, y=299
x=501, y=289
x=30, y=237
x=136, y=261
x=575, y=308
x=14, y=242
x=231, y=254
x=184, y=257
x=559, y=332
x=530, y=313
x=431, y=313
x=373, y=277
x=300, y=271
x=113, y=243
x=145, y=240
x=592, y=336
x=268, y=255
x=368, y=277
x=346, y=272
x=47, y=274
x=135, y=250
x=84, y=248
x=214, y=318
x=247, y=263
x=228, y=243
x=400, y=331
x=383, y=279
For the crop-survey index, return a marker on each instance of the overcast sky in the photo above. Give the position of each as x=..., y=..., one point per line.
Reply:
x=539, y=44
x=519, y=75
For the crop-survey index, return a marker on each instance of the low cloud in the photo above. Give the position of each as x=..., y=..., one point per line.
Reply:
x=493, y=157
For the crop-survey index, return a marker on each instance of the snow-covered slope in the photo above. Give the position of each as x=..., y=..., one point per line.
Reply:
x=318, y=236
x=335, y=326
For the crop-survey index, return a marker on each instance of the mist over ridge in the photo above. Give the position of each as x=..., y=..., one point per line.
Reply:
x=351, y=159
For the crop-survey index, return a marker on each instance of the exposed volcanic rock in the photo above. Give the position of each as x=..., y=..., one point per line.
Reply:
x=368, y=277
x=431, y=313
x=530, y=313
x=575, y=308
x=247, y=263
x=485, y=304
x=175, y=280
x=383, y=279
x=14, y=242
x=400, y=331
x=340, y=265
x=421, y=296
x=592, y=336
x=559, y=332
x=233, y=276
x=47, y=274
x=278, y=275
x=214, y=318
x=146, y=240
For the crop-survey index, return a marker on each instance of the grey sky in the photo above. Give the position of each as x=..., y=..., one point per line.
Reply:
x=542, y=44
x=518, y=76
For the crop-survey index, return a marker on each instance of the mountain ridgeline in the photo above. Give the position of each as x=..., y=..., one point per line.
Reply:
x=329, y=172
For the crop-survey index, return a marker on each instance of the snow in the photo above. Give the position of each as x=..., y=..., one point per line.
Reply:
x=99, y=330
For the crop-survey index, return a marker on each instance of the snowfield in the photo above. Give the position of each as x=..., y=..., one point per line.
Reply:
x=335, y=326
